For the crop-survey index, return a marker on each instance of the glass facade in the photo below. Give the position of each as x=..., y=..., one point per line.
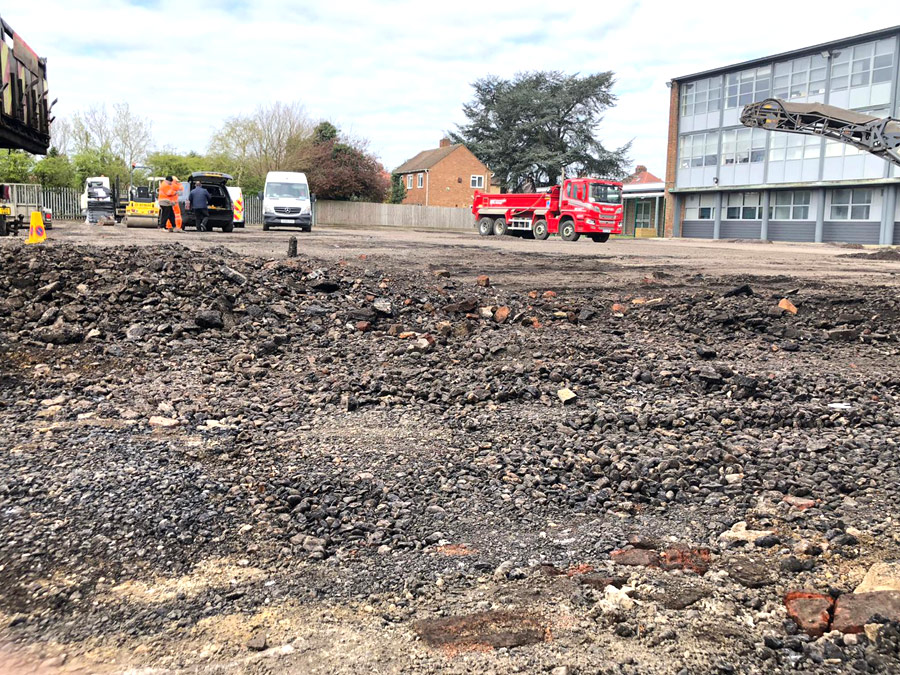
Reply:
x=714, y=149
x=741, y=182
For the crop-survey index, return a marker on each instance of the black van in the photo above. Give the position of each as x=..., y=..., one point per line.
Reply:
x=221, y=208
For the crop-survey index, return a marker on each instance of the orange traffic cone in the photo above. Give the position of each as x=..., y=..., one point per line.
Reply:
x=178, y=220
x=36, y=233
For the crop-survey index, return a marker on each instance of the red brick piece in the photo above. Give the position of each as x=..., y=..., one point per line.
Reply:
x=810, y=611
x=855, y=610
x=502, y=314
x=635, y=556
x=800, y=503
x=363, y=326
x=483, y=280
x=685, y=558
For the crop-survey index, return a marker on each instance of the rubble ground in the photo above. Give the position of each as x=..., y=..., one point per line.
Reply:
x=215, y=461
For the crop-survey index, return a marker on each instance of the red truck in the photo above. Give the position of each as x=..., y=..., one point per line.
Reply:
x=588, y=206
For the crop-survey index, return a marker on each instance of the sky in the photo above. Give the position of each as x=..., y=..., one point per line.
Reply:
x=396, y=72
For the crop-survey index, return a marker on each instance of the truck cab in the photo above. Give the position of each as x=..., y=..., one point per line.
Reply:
x=589, y=206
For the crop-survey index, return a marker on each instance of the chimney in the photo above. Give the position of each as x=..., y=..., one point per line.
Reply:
x=445, y=142
x=640, y=168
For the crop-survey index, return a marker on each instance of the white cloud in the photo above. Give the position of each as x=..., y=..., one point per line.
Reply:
x=396, y=72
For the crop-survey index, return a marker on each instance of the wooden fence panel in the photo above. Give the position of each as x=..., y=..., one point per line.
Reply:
x=401, y=216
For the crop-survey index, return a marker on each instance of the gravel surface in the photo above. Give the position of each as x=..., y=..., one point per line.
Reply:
x=215, y=462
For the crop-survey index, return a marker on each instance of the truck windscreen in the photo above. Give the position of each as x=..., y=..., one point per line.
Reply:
x=286, y=191
x=606, y=194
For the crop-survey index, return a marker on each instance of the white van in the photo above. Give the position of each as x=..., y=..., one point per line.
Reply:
x=286, y=201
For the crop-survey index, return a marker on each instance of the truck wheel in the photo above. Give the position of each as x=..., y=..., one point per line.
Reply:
x=485, y=226
x=540, y=230
x=567, y=231
x=500, y=227
x=600, y=238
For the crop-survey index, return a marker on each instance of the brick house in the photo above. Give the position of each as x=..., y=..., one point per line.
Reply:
x=445, y=176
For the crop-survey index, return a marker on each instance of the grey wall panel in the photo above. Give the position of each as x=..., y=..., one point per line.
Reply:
x=740, y=229
x=697, y=229
x=897, y=233
x=787, y=230
x=851, y=233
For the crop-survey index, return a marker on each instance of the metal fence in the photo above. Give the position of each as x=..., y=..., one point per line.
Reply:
x=64, y=202
x=253, y=210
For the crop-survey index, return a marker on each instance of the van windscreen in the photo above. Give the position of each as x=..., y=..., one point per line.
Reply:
x=286, y=191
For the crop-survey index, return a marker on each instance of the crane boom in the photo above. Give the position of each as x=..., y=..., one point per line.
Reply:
x=879, y=136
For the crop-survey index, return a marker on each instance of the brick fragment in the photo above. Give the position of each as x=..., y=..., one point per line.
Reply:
x=810, y=611
x=854, y=610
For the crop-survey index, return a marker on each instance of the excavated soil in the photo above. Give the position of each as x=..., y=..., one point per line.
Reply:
x=220, y=461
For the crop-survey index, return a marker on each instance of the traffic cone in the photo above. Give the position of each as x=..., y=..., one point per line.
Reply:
x=36, y=233
x=178, y=220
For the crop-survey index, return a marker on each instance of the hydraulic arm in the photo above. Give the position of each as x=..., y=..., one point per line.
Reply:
x=877, y=135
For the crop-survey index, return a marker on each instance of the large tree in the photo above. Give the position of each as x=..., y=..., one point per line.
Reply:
x=262, y=141
x=339, y=168
x=540, y=125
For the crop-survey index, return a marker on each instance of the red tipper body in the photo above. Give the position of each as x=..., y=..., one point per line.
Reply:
x=589, y=206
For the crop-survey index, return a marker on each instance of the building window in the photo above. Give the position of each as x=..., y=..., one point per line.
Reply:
x=748, y=86
x=742, y=146
x=851, y=204
x=700, y=207
x=477, y=182
x=863, y=65
x=793, y=205
x=801, y=78
x=642, y=214
x=409, y=182
x=743, y=206
x=794, y=146
x=702, y=96
x=421, y=180
x=699, y=150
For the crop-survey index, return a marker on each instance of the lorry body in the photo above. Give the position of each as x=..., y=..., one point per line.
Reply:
x=24, y=112
x=286, y=201
x=580, y=206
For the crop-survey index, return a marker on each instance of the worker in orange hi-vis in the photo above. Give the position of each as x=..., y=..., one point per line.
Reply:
x=168, y=202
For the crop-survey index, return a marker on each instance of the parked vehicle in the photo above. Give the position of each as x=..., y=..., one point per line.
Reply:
x=237, y=199
x=286, y=201
x=588, y=206
x=221, y=209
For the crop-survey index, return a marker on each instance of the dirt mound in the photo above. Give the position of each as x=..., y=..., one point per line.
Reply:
x=886, y=254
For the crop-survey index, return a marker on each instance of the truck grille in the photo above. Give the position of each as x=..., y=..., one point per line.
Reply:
x=287, y=210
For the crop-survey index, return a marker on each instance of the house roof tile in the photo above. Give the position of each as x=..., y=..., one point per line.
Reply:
x=426, y=159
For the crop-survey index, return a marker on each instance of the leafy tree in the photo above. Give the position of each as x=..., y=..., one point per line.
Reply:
x=99, y=162
x=261, y=142
x=398, y=189
x=339, y=169
x=171, y=163
x=55, y=171
x=132, y=134
x=540, y=125
x=15, y=166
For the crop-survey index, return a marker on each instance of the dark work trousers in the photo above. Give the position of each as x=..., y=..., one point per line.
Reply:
x=201, y=218
x=166, y=216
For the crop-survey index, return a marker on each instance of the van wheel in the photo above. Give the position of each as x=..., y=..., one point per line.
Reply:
x=567, y=231
x=307, y=228
x=228, y=227
x=485, y=226
x=265, y=227
x=540, y=230
x=500, y=227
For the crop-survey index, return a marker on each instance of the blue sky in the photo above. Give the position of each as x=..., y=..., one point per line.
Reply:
x=396, y=72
